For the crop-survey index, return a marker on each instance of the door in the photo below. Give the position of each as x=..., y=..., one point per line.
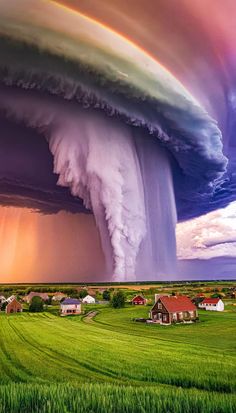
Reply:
x=159, y=316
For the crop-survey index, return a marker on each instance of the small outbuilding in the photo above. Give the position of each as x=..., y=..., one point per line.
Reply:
x=173, y=309
x=139, y=300
x=70, y=306
x=212, y=304
x=88, y=300
x=58, y=296
x=13, y=307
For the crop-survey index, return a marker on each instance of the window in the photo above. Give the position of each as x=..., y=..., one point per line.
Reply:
x=164, y=317
x=174, y=316
x=159, y=306
x=191, y=313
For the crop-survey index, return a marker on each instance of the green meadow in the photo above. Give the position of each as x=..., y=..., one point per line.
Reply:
x=113, y=364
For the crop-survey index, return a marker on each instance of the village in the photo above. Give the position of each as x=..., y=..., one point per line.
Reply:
x=163, y=307
x=163, y=336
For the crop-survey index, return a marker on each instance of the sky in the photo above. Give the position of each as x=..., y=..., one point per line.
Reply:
x=200, y=53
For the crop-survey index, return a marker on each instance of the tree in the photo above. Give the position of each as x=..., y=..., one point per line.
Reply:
x=118, y=300
x=216, y=295
x=83, y=293
x=106, y=295
x=36, y=305
x=3, y=306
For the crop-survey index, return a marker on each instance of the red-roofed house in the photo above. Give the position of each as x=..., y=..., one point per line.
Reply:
x=139, y=300
x=173, y=309
x=212, y=304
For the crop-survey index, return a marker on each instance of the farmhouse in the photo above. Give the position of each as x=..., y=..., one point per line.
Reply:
x=58, y=296
x=173, y=309
x=70, y=306
x=10, y=299
x=212, y=304
x=88, y=300
x=32, y=294
x=13, y=307
x=2, y=299
x=139, y=300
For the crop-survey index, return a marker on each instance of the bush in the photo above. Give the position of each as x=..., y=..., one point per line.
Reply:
x=36, y=305
x=3, y=306
x=106, y=295
x=118, y=300
x=83, y=293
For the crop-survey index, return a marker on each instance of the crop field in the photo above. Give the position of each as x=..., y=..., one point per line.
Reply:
x=112, y=364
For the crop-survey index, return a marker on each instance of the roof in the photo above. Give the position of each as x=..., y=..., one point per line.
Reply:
x=70, y=301
x=88, y=297
x=33, y=294
x=177, y=303
x=139, y=297
x=14, y=300
x=11, y=298
x=210, y=300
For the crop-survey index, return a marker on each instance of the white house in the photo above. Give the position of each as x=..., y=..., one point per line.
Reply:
x=70, y=306
x=88, y=300
x=10, y=299
x=212, y=304
x=2, y=299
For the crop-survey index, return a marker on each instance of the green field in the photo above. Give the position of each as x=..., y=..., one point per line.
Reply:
x=112, y=364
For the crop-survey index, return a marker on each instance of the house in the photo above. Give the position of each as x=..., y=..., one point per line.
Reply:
x=10, y=299
x=70, y=306
x=58, y=296
x=200, y=295
x=32, y=294
x=88, y=300
x=13, y=307
x=212, y=304
x=139, y=300
x=2, y=299
x=173, y=309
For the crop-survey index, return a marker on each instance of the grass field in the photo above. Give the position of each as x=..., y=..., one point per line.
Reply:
x=112, y=364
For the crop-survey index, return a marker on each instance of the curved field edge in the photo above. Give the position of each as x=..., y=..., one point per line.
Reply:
x=105, y=398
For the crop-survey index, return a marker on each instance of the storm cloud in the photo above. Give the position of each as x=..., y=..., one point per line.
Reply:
x=107, y=130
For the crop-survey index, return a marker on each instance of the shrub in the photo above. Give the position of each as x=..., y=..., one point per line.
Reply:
x=106, y=295
x=83, y=293
x=118, y=300
x=36, y=305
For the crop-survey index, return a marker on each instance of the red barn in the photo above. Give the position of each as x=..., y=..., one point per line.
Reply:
x=139, y=300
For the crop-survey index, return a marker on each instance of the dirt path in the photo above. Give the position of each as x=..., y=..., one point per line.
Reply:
x=89, y=317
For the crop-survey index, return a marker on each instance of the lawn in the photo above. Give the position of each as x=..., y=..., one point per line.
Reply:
x=146, y=368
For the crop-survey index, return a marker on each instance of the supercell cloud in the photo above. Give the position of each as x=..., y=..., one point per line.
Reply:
x=117, y=136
